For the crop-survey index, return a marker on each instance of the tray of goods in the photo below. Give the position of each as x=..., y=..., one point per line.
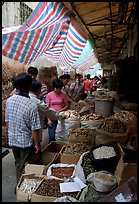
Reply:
x=61, y=171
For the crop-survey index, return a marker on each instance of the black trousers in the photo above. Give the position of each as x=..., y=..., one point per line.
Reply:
x=21, y=155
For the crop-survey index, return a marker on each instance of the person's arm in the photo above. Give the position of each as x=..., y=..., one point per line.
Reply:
x=35, y=126
x=64, y=108
x=46, y=111
x=79, y=93
x=70, y=100
x=72, y=86
x=36, y=140
x=49, y=122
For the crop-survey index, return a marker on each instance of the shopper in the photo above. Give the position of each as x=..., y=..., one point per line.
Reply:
x=22, y=117
x=57, y=100
x=66, y=89
x=33, y=71
x=43, y=108
x=47, y=80
x=87, y=84
x=95, y=83
x=77, y=88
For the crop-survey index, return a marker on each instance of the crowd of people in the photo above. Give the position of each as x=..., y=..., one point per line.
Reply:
x=32, y=106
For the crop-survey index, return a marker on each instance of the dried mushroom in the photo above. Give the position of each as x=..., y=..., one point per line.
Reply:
x=113, y=125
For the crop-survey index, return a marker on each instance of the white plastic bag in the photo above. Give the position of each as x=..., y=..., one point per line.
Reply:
x=66, y=199
x=64, y=127
x=79, y=169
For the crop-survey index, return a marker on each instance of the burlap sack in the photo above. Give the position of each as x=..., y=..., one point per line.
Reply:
x=82, y=135
x=103, y=137
x=129, y=119
x=92, y=124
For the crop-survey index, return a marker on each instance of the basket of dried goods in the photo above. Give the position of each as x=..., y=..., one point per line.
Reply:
x=105, y=157
x=102, y=181
x=91, y=120
x=128, y=118
x=110, y=131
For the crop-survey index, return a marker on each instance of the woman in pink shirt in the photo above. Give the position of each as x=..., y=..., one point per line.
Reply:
x=58, y=101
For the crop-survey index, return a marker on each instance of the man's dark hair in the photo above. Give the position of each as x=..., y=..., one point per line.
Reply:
x=14, y=82
x=77, y=75
x=35, y=86
x=88, y=76
x=33, y=70
x=65, y=76
x=23, y=82
x=57, y=83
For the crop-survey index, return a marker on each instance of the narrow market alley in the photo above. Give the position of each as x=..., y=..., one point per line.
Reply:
x=69, y=101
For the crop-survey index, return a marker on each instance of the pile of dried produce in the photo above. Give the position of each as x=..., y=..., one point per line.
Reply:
x=128, y=118
x=91, y=116
x=78, y=106
x=91, y=195
x=30, y=185
x=77, y=148
x=113, y=125
x=51, y=187
x=87, y=165
x=62, y=172
x=102, y=95
x=72, y=114
x=82, y=135
x=104, y=152
x=126, y=106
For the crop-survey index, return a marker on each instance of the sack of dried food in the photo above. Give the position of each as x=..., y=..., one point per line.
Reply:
x=105, y=157
x=128, y=118
x=61, y=171
x=79, y=170
x=64, y=128
x=111, y=131
x=102, y=181
x=82, y=135
x=91, y=120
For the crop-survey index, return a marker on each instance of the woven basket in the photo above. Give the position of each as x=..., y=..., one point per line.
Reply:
x=103, y=137
x=104, y=107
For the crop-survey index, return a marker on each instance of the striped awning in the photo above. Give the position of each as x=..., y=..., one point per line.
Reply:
x=51, y=32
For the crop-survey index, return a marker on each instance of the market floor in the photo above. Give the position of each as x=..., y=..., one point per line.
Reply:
x=8, y=173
